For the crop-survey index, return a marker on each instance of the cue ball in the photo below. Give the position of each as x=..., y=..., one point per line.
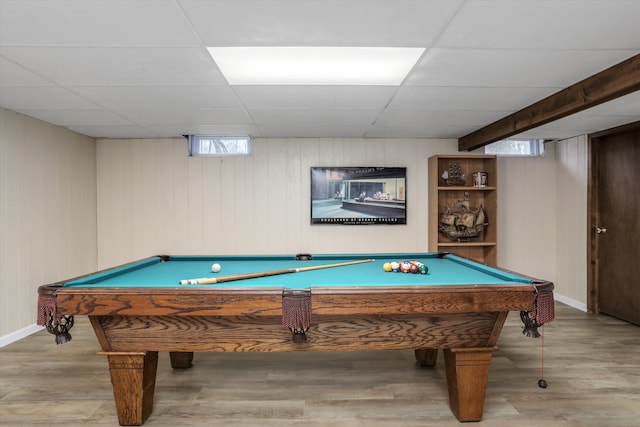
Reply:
x=216, y=267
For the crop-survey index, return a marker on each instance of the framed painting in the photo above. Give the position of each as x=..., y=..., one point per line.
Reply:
x=358, y=195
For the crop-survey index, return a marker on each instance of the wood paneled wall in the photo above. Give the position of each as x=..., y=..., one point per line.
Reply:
x=47, y=212
x=153, y=198
x=572, y=219
x=527, y=214
x=543, y=217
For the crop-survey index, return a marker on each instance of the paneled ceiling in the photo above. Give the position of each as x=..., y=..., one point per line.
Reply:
x=140, y=68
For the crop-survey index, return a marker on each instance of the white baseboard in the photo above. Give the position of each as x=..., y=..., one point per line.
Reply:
x=19, y=334
x=571, y=302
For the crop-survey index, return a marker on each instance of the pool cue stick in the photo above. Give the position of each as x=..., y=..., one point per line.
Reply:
x=243, y=276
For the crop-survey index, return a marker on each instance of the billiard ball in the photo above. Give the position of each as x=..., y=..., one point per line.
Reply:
x=216, y=267
x=406, y=267
x=414, y=268
x=423, y=269
x=395, y=266
x=386, y=266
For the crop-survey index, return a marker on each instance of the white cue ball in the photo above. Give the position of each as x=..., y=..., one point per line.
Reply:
x=216, y=267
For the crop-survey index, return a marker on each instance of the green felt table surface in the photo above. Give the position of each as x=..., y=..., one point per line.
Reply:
x=156, y=273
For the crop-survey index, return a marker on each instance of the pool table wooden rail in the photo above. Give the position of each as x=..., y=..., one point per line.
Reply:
x=251, y=301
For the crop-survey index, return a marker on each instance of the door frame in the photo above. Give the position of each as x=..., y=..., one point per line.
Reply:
x=593, y=287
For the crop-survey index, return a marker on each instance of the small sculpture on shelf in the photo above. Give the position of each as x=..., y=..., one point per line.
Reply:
x=454, y=175
x=461, y=223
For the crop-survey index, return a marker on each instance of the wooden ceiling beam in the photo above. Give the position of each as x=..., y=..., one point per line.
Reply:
x=619, y=80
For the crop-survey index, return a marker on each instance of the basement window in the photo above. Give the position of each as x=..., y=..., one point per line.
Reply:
x=516, y=148
x=207, y=145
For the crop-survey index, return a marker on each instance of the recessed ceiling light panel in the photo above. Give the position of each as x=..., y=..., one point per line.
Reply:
x=315, y=65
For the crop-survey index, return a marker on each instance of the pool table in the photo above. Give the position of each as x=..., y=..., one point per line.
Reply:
x=140, y=308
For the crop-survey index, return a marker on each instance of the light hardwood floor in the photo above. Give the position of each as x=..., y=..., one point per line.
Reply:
x=591, y=363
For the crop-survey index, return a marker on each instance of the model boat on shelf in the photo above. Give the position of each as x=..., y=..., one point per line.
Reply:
x=461, y=223
x=454, y=175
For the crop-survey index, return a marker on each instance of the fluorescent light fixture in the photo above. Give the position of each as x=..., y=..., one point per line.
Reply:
x=315, y=65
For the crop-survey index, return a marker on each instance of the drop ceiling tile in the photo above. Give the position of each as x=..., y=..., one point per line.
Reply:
x=264, y=116
x=320, y=97
x=471, y=117
x=14, y=74
x=590, y=123
x=169, y=116
x=422, y=123
x=115, y=132
x=42, y=97
x=311, y=130
x=406, y=23
x=510, y=68
x=311, y=122
x=535, y=24
x=177, y=130
x=467, y=98
x=119, y=65
x=94, y=23
x=77, y=117
x=432, y=129
x=145, y=97
x=618, y=107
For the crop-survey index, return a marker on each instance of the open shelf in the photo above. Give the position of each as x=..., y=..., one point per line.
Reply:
x=482, y=248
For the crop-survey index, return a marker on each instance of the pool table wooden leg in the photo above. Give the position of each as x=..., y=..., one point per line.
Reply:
x=426, y=356
x=181, y=359
x=467, y=377
x=133, y=376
